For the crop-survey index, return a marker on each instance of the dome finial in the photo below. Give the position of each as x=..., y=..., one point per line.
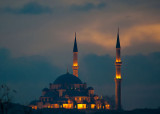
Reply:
x=67, y=70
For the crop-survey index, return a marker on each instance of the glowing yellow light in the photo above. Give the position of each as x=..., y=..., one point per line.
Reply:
x=81, y=106
x=35, y=107
x=118, y=76
x=69, y=101
x=92, y=106
x=49, y=106
x=118, y=60
x=98, y=106
x=107, y=106
x=75, y=64
x=68, y=106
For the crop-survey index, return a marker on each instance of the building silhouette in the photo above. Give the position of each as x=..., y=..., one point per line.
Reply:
x=69, y=92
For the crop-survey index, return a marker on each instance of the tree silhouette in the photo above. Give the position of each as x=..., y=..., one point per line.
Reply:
x=6, y=95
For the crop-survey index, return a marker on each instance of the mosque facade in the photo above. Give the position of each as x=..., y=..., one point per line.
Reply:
x=69, y=92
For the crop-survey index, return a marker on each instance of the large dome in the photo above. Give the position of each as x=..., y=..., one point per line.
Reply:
x=67, y=79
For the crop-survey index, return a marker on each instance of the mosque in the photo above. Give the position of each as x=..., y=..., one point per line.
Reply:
x=69, y=92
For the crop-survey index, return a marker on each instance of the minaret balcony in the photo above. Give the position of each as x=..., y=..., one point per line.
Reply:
x=118, y=78
x=75, y=67
x=118, y=63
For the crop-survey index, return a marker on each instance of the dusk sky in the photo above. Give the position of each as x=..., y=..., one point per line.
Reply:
x=36, y=44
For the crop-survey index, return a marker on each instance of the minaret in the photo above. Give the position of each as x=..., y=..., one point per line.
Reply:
x=75, y=58
x=118, y=78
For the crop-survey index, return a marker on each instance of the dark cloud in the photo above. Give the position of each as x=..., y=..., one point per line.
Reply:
x=25, y=68
x=98, y=69
x=135, y=69
x=27, y=75
x=140, y=75
x=142, y=69
x=87, y=7
x=30, y=8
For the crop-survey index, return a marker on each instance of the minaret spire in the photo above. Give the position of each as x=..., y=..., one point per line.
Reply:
x=118, y=77
x=75, y=49
x=118, y=42
x=75, y=58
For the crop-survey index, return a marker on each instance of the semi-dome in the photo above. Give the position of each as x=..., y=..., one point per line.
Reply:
x=67, y=79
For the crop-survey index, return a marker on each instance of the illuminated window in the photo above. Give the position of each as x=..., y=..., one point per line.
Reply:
x=98, y=106
x=92, y=106
x=68, y=106
x=107, y=106
x=55, y=105
x=118, y=76
x=35, y=107
x=81, y=106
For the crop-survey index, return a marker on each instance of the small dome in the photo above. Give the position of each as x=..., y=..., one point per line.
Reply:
x=67, y=79
x=90, y=88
